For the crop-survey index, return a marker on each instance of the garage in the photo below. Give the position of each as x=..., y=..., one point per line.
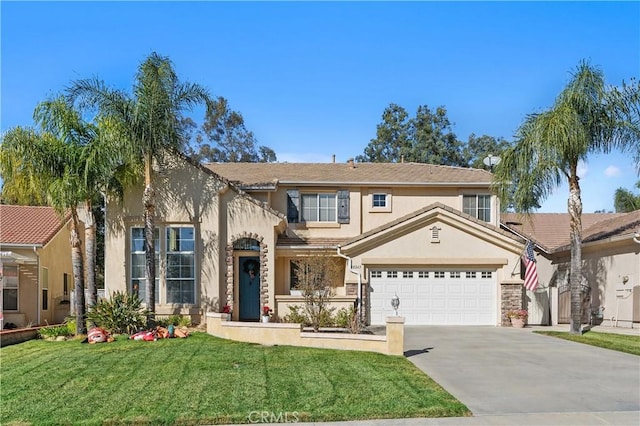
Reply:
x=434, y=296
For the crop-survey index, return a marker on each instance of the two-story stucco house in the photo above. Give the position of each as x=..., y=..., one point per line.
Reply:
x=35, y=265
x=227, y=234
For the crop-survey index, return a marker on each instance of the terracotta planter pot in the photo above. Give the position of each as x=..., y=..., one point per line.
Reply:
x=518, y=322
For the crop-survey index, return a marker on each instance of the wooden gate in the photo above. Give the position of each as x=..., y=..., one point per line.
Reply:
x=564, y=305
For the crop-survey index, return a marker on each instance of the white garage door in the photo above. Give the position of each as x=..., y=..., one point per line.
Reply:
x=434, y=297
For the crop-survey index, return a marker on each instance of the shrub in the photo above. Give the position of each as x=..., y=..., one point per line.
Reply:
x=296, y=315
x=121, y=313
x=54, y=331
x=175, y=320
x=70, y=323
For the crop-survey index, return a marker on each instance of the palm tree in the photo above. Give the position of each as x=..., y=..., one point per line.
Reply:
x=57, y=166
x=151, y=121
x=586, y=117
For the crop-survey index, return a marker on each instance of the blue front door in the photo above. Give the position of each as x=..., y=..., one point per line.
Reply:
x=249, y=282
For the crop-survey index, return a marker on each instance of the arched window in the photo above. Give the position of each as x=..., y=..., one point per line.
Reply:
x=249, y=244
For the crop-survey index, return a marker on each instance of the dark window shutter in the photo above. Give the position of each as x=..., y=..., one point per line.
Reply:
x=293, y=205
x=343, y=206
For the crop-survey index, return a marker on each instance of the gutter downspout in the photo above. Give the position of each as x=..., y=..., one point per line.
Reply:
x=38, y=287
x=359, y=275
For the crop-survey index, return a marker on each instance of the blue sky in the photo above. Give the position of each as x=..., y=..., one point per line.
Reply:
x=312, y=79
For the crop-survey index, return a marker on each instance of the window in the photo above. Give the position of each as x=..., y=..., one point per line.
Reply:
x=379, y=200
x=478, y=206
x=438, y=274
x=293, y=275
x=319, y=207
x=454, y=274
x=138, y=271
x=469, y=274
x=407, y=274
x=486, y=274
x=45, y=288
x=180, y=273
x=423, y=274
x=65, y=284
x=10, y=288
x=392, y=274
x=376, y=274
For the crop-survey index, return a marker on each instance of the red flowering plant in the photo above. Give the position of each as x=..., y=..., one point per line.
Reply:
x=266, y=311
x=226, y=309
x=518, y=313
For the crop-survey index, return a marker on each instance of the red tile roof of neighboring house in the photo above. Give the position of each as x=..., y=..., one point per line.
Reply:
x=254, y=174
x=28, y=224
x=551, y=230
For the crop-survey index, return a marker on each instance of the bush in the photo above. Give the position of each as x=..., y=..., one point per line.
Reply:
x=296, y=315
x=54, y=331
x=175, y=320
x=121, y=313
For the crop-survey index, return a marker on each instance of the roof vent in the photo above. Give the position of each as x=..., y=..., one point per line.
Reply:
x=351, y=163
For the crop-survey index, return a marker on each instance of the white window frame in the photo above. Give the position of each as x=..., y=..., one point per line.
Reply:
x=386, y=208
x=157, y=244
x=12, y=285
x=180, y=252
x=318, y=207
x=476, y=210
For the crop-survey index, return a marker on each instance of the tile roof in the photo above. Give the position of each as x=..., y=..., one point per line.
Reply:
x=252, y=174
x=28, y=224
x=627, y=224
x=288, y=241
x=551, y=230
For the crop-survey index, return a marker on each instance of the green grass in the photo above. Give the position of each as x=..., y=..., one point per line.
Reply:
x=616, y=342
x=206, y=380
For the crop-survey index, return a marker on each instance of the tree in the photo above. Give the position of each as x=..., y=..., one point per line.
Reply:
x=151, y=122
x=316, y=275
x=56, y=161
x=392, y=137
x=232, y=142
x=479, y=148
x=586, y=117
x=425, y=138
x=626, y=201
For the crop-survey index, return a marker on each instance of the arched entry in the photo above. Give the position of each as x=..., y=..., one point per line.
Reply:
x=247, y=287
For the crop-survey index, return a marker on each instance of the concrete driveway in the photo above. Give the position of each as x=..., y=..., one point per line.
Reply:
x=496, y=371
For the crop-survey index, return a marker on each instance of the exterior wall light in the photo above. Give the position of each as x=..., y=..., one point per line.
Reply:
x=395, y=302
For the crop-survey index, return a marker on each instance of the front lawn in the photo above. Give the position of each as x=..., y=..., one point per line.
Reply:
x=204, y=380
x=617, y=342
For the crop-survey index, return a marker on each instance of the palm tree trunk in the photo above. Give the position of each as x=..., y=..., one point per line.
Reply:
x=575, y=278
x=90, y=251
x=78, y=274
x=148, y=201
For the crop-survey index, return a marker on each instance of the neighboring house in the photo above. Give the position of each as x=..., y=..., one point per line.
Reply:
x=35, y=265
x=611, y=266
x=227, y=234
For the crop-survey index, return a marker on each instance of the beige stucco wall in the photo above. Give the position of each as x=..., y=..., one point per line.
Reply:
x=605, y=264
x=461, y=244
x=290, y=334
x=404, y=200
x=187, y=195
x=55, y=256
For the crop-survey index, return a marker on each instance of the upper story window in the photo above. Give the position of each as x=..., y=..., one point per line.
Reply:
x=319, y=207
x=379, y=200
x=478, y=206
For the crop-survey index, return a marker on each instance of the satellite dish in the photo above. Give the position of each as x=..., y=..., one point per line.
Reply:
x=491, y=160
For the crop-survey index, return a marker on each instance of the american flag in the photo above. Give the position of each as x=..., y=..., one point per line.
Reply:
x=531, y=273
